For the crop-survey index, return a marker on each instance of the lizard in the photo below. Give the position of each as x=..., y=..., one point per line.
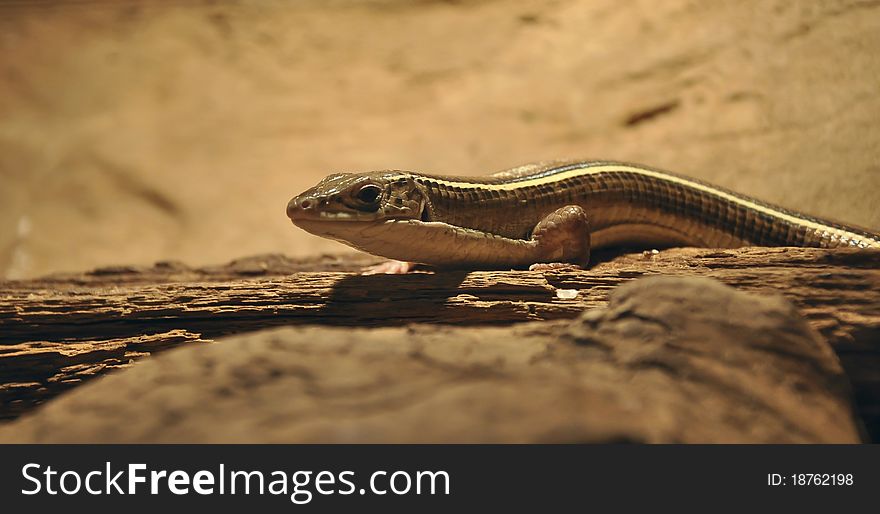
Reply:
x=546, y=213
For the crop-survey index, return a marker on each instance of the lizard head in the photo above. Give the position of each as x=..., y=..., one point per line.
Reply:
x=347, y=201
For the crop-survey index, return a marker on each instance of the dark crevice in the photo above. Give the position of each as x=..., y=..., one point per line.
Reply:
x=651, y=113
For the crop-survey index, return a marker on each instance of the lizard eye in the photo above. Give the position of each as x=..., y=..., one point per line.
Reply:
x=369, y=193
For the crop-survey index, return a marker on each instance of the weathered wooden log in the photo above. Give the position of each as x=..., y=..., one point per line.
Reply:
x=671, y=359
x=33, y=372
x=137, y=311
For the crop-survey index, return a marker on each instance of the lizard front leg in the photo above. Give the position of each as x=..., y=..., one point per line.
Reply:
x=562, y=238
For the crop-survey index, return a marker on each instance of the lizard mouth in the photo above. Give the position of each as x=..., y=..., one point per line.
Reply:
x=330, y=216
x=356, y=233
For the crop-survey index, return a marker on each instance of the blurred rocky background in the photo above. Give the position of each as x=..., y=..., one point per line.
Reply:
x=133, y=131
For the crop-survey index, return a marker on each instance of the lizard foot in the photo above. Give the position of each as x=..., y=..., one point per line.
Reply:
x=549, y=266
x=390, y=268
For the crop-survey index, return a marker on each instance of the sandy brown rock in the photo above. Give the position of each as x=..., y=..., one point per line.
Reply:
x=669, y=360
x=133, y=131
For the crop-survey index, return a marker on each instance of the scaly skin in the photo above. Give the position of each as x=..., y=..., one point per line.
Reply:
x=547, y=212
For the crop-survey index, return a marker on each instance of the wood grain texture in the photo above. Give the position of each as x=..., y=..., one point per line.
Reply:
x=136, y=311
x=671, y=359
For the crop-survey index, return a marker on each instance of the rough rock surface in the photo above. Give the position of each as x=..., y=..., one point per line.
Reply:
x=134, y=130
x=669, y=360
x=59, y=332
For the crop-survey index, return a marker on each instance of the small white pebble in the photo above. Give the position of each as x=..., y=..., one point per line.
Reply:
x=566, y=294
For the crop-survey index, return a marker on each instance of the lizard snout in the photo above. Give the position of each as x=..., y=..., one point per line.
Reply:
x=299, y=206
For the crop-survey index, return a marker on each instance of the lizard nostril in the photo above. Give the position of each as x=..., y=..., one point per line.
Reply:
x=296, y=207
